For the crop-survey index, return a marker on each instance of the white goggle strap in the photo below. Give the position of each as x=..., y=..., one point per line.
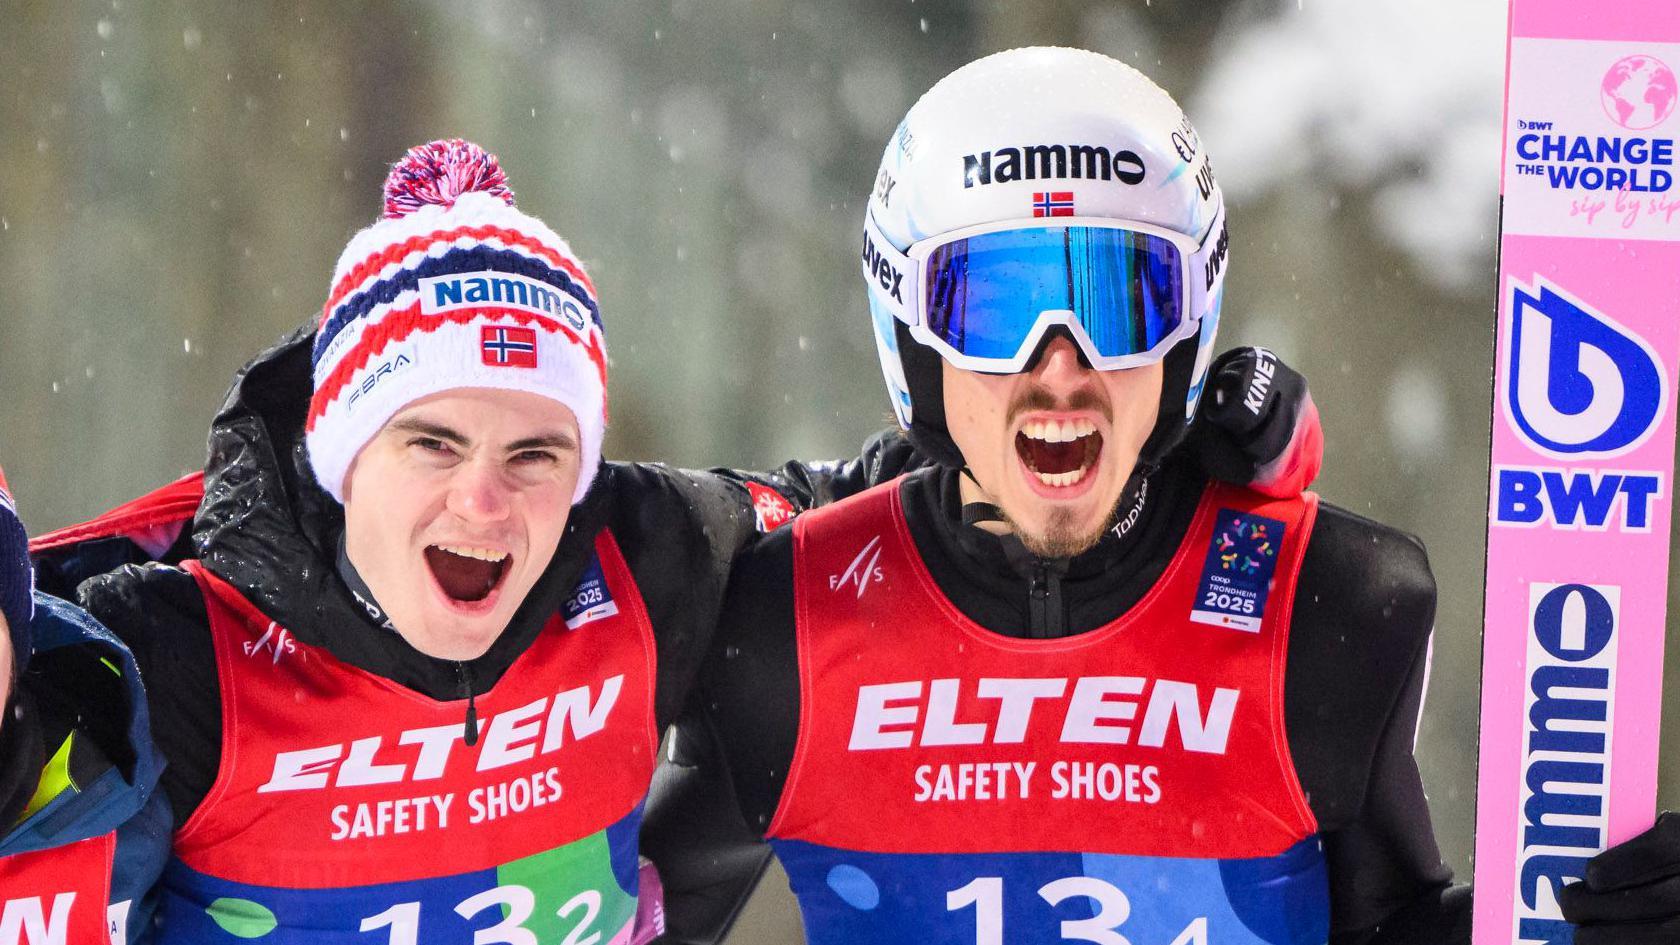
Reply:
x=892, y=276
x=1207, y=267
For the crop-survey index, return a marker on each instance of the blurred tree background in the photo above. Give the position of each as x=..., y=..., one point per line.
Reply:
x=180, y=176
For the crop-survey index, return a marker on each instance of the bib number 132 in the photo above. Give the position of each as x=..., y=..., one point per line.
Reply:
x=985, y=894
x=513, y=904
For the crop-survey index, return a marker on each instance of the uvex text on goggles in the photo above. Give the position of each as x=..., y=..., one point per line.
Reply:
x=984, y=296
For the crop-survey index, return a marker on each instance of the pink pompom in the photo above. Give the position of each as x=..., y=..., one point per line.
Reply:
x=439, y=172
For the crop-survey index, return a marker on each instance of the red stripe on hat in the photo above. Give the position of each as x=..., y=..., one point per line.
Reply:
x=599, y=355
x=390, y=254
x=397, y=326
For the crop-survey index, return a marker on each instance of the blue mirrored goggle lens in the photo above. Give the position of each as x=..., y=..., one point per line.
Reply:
x=986, y=293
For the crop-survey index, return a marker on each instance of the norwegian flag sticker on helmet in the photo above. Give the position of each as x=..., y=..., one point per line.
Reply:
x=1054, y=203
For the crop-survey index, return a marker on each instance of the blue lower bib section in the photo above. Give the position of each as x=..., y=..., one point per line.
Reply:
x=1030, y=898
x=583, y=891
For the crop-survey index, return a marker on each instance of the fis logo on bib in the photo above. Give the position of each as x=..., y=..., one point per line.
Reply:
x=1567, y=713
x=276, y=639
x=864, y=570
x=1579, y=385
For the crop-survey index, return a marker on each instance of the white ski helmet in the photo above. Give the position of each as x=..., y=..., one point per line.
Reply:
x=1022, y=135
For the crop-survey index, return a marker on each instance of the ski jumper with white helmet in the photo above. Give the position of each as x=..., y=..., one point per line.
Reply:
x=1133, y=780
x=1035, y=190
x=1128, y=784
x=348, y=807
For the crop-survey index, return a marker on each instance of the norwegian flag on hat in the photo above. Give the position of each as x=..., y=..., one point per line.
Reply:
x=506, y=346
x=454, y=288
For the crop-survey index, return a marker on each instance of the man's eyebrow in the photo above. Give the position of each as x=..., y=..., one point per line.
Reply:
x=436, y=431
x=563, y=441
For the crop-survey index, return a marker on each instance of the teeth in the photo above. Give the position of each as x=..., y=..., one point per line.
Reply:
x=1063, y=431
x=1060, y=480
x=482, y=554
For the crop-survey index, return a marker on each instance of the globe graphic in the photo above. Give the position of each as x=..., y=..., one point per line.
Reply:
x=1638, y=92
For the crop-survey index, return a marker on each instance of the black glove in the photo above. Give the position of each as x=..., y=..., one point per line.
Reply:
x=1631, y=895
x=1257, y=425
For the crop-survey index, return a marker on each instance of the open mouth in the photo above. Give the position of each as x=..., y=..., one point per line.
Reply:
x=1059, y=452
x=466, y=574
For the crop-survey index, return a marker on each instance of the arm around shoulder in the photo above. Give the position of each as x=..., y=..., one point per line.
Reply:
x=159, y=613
x=732, y=751
x=810, y=483
x=1358, y=662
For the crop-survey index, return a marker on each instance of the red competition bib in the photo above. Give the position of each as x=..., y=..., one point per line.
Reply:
x=952, y=784
x=347, y=804
x=60, y=895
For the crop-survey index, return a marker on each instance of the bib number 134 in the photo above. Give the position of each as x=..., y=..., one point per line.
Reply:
x=985, y=894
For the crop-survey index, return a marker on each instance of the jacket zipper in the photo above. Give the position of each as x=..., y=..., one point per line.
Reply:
x=471, y=732
x=1046, y=609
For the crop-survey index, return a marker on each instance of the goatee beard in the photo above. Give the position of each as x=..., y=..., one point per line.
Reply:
x=1061, y=536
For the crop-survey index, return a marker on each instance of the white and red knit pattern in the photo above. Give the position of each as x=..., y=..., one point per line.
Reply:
x=418, y=300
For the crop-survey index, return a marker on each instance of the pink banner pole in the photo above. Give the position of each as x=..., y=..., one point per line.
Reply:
x=1583, y=441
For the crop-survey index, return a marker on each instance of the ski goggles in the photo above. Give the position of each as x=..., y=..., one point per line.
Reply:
x=984, y=296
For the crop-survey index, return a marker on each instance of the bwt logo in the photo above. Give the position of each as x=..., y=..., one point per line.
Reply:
x=1566, y=753
x=1589, y=499
x=1580, y=385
